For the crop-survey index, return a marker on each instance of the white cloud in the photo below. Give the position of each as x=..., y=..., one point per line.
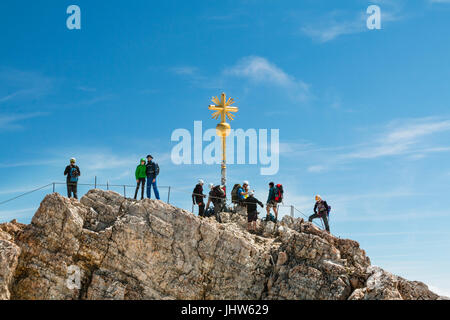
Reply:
x=259, y=70
x=439, y=291
x=338, y=23
x=316, y=169
x=404, y=138
x=15, y=84
x=10, y=122
x=86, y=89
x=15, y=214
x=333, y=29
x=184, y=70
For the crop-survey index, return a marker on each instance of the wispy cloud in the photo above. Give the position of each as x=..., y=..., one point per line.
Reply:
x=437, y=290
x=184, y=70
x=11, y=121
x=412, y=139
x=330, y=27
x=404, y=137
x=339, y=23
x=439, y=1
x=195, y=76
x=86, y=89
x=14, y=214
x=16, y=84
x=259, y=70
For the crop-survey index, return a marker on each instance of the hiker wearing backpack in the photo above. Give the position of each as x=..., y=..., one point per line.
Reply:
x=197, y=198
x=141, y=174
x=152, y=172
x=272, y=202
x=217, y=197
x=321, y=210
x=252, y=213
x=242, y=193
x=72, y=172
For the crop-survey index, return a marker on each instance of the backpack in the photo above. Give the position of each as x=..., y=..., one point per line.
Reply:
x=74, y=175
x=209, y=212
x=279, y=193
x=218, y=192
x=156, y=169
x=234, y=193
x=322, y=208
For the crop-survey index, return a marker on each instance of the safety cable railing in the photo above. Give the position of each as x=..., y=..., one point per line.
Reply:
x=125, y=186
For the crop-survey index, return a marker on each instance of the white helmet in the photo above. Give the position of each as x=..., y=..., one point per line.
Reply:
x=211, y=185
x=73, y=160
x=251, y=193
x=200, y=181
x=245, y=182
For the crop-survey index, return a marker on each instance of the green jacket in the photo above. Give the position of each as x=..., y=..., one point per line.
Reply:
x=141, y=171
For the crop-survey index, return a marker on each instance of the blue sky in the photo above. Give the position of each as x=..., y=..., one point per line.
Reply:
x=363, y=115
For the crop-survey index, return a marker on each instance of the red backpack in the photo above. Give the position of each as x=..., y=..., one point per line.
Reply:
x=279, y=193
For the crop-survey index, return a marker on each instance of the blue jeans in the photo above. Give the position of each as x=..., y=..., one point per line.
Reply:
x=150, y=183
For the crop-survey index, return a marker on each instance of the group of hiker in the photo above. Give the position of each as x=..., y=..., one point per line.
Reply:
x=245, y=198
x=146, y=172
x=242, y=197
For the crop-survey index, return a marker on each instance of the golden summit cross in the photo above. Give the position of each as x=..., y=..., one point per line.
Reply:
x=223, y=109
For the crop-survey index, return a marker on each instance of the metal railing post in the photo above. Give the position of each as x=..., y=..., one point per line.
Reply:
x=95, y=183
x=53, y=187
x=107, y=185
x=124, y=191
x=292, y=211
x=168, y=196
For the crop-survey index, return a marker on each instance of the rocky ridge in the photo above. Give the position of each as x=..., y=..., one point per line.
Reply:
x=109, y=247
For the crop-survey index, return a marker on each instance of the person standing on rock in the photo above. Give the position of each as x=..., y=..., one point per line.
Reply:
x=217, y=197
x=72, y=172
x=197, y=198
x=242, y=193
x=271, y=203
x=152, y=172
x=321, y=210
x=252, y=213
x=141, y=174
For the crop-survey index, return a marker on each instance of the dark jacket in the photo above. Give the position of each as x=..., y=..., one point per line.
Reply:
x=152, y=169
x=251, y=203
x=197, y=194
x=67, y=171
x=272, y=193
x=325, y=204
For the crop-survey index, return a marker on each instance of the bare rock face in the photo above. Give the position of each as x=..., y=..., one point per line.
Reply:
x=108, y=247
